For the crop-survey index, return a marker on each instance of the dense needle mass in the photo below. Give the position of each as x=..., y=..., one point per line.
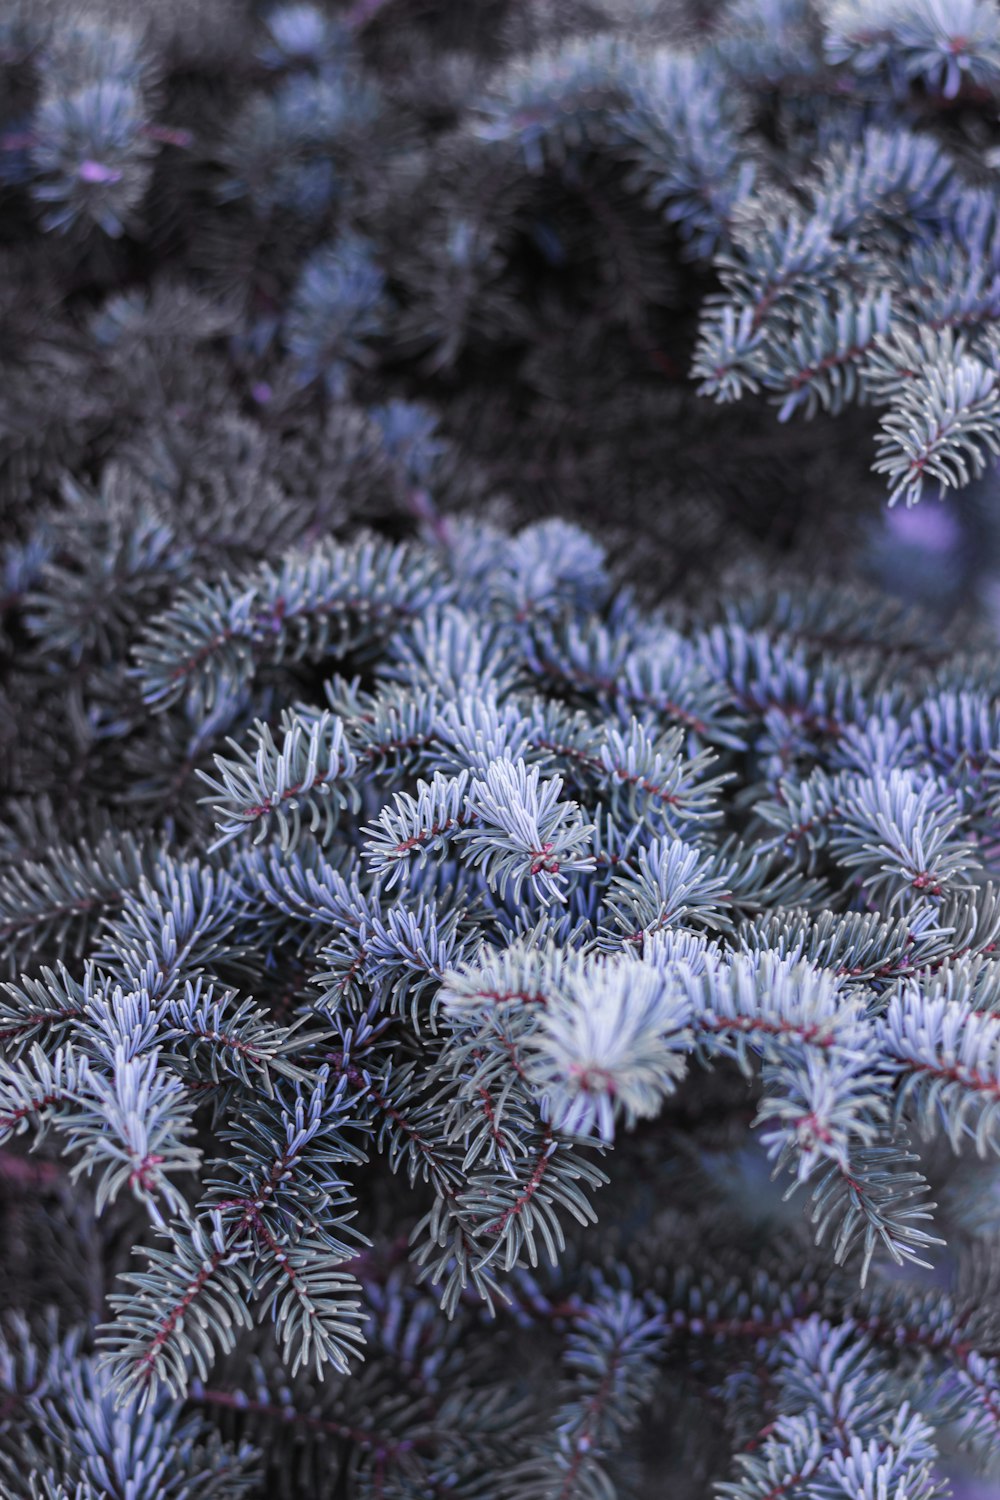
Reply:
x=502, y=1004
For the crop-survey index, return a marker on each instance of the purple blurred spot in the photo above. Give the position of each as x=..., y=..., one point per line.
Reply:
x=96, y=171
x=929, y=527
x=170, y=135
x=262, y=392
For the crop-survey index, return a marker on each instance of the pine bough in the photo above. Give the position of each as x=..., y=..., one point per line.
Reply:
x=422, y=957
x=495, y=911
x=830, y=163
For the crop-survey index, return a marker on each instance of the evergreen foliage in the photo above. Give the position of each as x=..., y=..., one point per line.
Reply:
x=476, y=1025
